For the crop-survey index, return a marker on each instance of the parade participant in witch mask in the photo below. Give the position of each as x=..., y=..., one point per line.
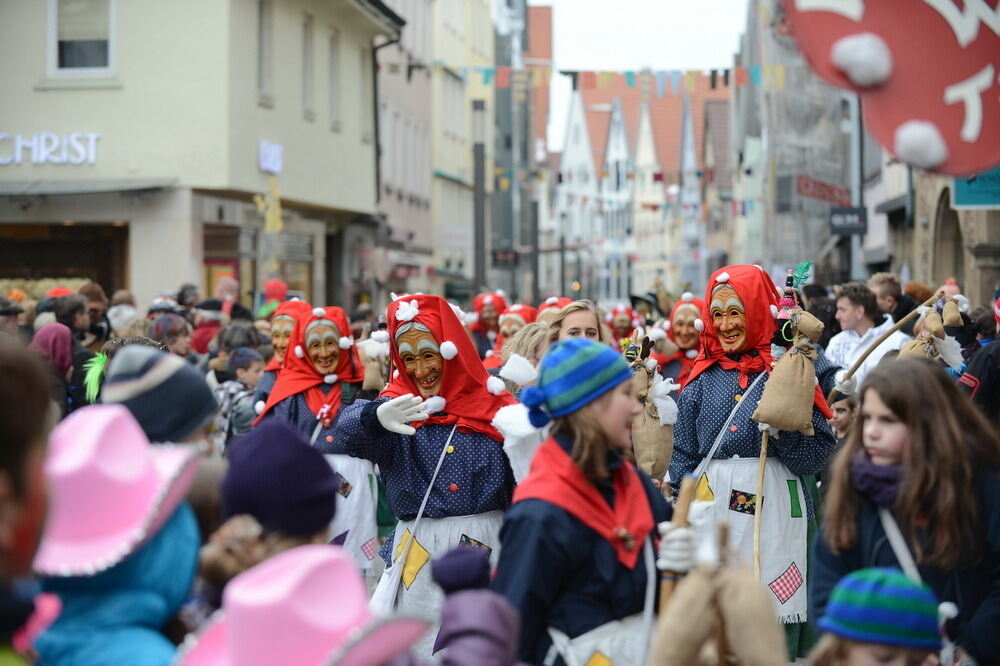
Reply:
x=623, y=320
x=430, y=432
x=512, y=320
x=486, y=328
x=736, y=327
x=282, y=325
x=684, y=334
x=321, y=374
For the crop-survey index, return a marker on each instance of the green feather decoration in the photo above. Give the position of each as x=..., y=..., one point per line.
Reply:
x=94, y=378
x=801, y=274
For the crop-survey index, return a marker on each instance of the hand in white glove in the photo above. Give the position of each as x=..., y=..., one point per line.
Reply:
x=396, y=413
x=845, y=387
x=676, y=551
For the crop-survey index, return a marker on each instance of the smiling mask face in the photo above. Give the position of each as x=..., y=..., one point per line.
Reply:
x=729, y=318
x=422, y=361
x=685, y=333
x=323, y=346
x=281, y=331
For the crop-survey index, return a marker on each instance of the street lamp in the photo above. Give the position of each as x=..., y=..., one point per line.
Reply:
x=479, y=195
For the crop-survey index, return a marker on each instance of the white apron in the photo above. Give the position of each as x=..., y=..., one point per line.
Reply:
x=354, y=525
x=617, y=643
x=727, y=491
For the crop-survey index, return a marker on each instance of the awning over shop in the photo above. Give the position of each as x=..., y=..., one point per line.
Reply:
x=29, y=188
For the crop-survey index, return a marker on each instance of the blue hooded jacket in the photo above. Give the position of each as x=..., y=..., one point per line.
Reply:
x=115, y=617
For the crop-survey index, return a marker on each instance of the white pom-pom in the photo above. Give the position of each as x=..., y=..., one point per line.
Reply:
x=380, y=336
x=489, y=352
x=687, y=296
x=495, y=385
x=449, y=350
x=319, y=312
x=395, y=374
x=519, y=370
x=864, y=58
x=258, y=406
x=774, y=311
x=657, y=333
x=299, y=351
x=346, y=342
x=487, y=299
x=666, y=325
x=651, y=364
x=470, y=318
x=722, y=277
x=330, y=379
x=947, y=610
x=407, y=311
x=393, y=296
x=295, y=298
x=433, y=404
x=691, y=353
x=919, y=143
x=551, y=300
x=516, y=307
x=699, y=325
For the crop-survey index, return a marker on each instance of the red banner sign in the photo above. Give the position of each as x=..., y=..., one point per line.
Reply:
x=926, y=71
x=815, y=189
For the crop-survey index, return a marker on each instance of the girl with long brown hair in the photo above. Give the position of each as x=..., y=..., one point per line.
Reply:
x=922, y=462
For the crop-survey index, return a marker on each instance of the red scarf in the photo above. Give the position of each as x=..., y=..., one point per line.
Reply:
x=463, y=381
x=296, y=310
x=555, y=478
x=300, y=376
x=760, y=300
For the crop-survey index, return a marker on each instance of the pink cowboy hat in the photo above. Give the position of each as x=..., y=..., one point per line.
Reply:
x=306, y=606
x=110, y=490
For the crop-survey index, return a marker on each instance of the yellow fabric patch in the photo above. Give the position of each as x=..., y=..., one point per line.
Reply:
x=598, y=659
x=703, y=492
x=416, y=558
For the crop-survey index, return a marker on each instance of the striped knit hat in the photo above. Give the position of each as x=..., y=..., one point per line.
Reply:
x=573, y=373
x=885, y=607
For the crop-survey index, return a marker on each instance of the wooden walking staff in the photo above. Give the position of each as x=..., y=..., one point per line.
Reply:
x=882, y=338
x=668, y=579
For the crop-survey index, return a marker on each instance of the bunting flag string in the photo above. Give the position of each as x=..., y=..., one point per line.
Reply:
x=659, y=82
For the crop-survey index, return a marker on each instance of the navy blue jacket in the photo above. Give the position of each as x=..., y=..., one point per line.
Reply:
x=974, y=589
x=557, y=571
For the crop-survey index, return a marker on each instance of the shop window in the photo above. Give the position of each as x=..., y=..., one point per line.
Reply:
x=81, y=36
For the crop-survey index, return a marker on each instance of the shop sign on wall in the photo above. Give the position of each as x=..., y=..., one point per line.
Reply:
x=48, y=148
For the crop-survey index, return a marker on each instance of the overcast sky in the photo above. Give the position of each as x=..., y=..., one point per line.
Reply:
x=632, y=34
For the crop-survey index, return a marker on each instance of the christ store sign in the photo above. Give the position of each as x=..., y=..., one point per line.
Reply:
x=927, y=73
x=48, y=148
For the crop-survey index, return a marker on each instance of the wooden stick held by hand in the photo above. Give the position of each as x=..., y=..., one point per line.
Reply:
x=765, y=437
x=668, y=579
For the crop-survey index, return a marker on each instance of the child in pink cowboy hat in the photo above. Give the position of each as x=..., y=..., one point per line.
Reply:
x=119, y=547
x=308, y=606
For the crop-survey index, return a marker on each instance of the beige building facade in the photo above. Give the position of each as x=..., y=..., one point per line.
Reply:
x=186, y=111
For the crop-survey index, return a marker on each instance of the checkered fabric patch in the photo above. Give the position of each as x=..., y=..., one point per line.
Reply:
x=787, y=584
x=369, y=548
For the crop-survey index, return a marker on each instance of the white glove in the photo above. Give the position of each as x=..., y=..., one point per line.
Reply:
x=396, y=413
x=676, y=552
x=845, y=387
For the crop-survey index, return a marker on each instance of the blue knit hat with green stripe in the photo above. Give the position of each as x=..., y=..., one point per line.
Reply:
x=885, y=607
x=573, y=373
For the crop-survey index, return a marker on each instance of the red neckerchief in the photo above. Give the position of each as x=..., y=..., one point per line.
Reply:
x=468, y=403
x=745, y=365
x=555, y=478
x=298, y=375
x=295, y=310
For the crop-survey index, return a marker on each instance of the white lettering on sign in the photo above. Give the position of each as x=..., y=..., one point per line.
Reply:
x=970, y=92
x=852, y=9
x=965, y=22
x=49, y=148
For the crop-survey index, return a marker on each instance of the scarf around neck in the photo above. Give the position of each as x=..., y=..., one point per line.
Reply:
x=879, y=483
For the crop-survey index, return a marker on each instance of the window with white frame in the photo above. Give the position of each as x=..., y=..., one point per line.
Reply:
x=81, y=36
x=307, y=67
x=333, y=60
x=265, y=29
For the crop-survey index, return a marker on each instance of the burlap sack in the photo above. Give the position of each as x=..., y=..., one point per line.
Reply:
x=688, y=622
x=373, y=379
x=652, y=444
x=808, y=325
x=934, y=325
x=951, y=316
x=919, y=348
x=787, y=401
